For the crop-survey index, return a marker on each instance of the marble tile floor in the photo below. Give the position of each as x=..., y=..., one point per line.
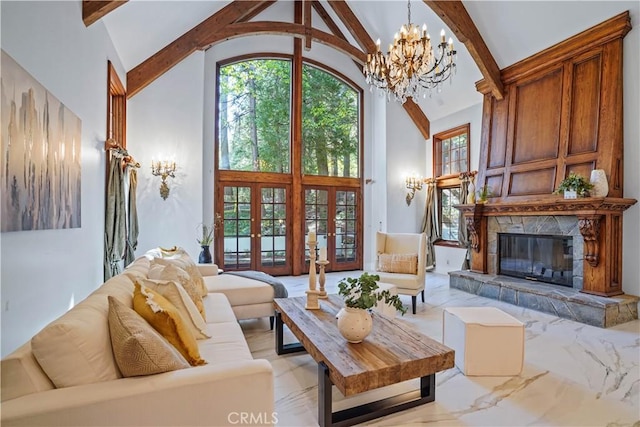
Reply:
x=574, y=374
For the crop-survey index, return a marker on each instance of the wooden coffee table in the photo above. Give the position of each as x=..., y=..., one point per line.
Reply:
x=392, y=353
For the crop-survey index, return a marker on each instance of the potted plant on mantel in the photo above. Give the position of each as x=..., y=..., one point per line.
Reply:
x=360, y=296
x=574, y=186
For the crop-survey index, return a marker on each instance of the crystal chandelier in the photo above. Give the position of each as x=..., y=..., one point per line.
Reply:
x=410, y=68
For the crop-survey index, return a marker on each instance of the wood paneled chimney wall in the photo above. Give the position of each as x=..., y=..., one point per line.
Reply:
x=561, y=113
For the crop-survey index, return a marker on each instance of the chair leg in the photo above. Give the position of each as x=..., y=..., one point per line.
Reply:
x=423, y=295
x=413, y=303
x=271, y=319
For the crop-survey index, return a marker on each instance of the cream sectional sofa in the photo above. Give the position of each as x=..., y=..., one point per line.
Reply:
x=74, y=353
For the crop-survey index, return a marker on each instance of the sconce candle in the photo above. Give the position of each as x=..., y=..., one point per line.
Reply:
x=164, y=169
x=413, y=184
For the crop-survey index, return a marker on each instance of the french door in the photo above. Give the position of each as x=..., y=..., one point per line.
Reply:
x=257, y=227
x=334, y=214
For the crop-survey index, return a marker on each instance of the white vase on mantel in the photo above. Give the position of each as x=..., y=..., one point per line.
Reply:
x=600, y=183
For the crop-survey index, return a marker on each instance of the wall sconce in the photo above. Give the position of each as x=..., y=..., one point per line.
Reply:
x=413, y=184
x=163, y=169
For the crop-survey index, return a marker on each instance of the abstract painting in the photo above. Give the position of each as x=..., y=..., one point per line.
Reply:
x=40, y=157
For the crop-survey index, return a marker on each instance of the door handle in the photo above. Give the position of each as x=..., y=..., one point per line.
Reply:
x=253, y=235
x=259, y=235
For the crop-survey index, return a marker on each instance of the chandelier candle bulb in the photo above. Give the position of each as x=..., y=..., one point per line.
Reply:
x=442, y=36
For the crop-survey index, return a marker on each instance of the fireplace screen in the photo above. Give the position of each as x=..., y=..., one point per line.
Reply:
x=536, y=257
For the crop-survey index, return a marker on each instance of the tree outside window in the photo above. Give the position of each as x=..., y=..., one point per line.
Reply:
x=450, y=159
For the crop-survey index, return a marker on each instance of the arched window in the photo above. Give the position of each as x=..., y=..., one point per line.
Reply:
x=271, y=162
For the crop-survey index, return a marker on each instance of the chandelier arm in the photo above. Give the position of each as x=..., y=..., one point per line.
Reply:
x=410, y=66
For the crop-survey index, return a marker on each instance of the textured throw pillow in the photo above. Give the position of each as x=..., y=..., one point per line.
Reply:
x=184, y=261
x=398, y=263
x=167, y=320
x=137, y=347
x=177, y=296
x=168, y=271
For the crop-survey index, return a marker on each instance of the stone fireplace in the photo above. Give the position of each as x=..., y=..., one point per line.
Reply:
x=539, y=243
x=592, y=228
x=537, y=257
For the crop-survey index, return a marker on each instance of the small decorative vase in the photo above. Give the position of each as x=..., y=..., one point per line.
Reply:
x=354, y=324
x=570, y=194
x=600, y=184
x=471, y=193
x=205, y=256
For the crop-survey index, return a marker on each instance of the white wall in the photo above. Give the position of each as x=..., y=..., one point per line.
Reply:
x=45, y=272
x=165, y=121
x=451, y=259
x=406, y=151
x=631, y=218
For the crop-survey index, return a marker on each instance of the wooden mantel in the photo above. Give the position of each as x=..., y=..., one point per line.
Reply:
x=600, y=223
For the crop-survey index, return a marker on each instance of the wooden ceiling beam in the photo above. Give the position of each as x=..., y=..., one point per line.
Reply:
x=456, y=17
x=329, y=22
x=306, y=14
x=365, y=41
x=93, y=10
x=283, y=28
x=354, y=25
x=162, y=61
x=419, y=118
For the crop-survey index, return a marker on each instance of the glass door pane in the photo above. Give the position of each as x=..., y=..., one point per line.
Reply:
x=316, y=207
x=236, y=217
x=273, y=235
x=346, y=228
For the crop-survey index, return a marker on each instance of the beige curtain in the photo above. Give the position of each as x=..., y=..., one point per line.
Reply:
x=115, y=229
x=430, y=222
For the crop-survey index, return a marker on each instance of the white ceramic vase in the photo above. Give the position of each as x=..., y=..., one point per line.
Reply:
x=471, y=193
x=354, y=324
x=600, y=183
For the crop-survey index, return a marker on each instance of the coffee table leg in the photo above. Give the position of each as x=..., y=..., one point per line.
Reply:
x=325, y=411
x=372, y=410
x=282, y=348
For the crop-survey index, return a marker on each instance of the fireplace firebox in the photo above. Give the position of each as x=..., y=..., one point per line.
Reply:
x=543, y=258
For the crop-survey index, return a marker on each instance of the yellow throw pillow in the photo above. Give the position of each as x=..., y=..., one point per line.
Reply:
x=398, y=263
x=137, y=347
x=177, y=296
x=167, y=271
x=167, y=320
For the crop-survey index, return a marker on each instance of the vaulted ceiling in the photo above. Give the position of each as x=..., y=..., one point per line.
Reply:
x=151, y=36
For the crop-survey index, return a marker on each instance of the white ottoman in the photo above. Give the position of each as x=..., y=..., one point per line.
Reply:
x=381, y=307
x=487, y=341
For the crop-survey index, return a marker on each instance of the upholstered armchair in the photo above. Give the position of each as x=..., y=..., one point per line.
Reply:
x=401, y=261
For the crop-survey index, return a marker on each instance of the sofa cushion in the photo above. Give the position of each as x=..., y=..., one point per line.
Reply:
x=75, y=349
x=398, y=263
x=177, y=296
x=137, y=347
x=227, y=344
x=218, y=309
x=167, y=320
x=240, y=290
x=21, y=374
x=139, y=268
x=162, y=271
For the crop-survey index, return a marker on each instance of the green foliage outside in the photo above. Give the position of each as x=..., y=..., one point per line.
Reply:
x=255, y=120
